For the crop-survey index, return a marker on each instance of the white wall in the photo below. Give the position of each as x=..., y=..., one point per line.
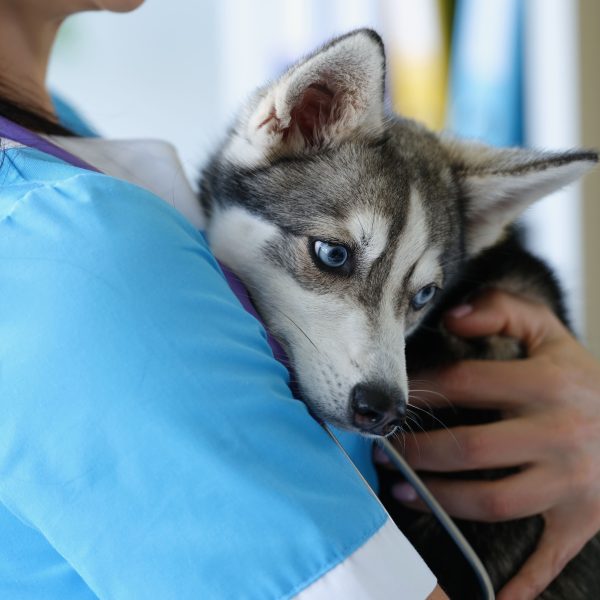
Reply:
x=150, y=73
x=552, y=115
x=179, y=69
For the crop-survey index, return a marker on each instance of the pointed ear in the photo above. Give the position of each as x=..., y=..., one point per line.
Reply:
x=334, y=94
x=498, y=184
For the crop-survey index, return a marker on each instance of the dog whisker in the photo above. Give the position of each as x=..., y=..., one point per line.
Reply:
x=429, y=413
x=423, y=381
x=444, y=426
x=402, y=433
x=439, y=394
x=399, y=435
x=299, y=329
x=414, y=419
x=362, y=229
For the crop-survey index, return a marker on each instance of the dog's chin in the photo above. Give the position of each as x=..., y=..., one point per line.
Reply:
x=323, y=414
x=326, y=417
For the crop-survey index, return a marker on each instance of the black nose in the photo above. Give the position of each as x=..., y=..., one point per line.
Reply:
x=377, y=409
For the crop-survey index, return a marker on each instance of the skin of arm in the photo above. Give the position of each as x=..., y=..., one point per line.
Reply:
x=437, y=594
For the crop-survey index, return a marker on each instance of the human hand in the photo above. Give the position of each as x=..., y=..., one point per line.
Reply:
x=550, y=402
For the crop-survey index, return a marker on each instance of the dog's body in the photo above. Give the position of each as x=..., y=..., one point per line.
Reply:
x=346, y=223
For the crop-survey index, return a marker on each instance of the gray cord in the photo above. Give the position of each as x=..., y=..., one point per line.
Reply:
x=440, y=514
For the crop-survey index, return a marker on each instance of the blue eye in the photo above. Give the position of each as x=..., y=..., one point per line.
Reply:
x=424, y=296
x=331, y=255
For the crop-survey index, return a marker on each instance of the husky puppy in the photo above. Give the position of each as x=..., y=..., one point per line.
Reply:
x=353, y=229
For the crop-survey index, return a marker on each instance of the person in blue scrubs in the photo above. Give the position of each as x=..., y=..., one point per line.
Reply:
x=149, y=444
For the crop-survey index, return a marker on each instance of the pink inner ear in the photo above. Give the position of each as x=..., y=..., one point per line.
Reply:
x=313, y=112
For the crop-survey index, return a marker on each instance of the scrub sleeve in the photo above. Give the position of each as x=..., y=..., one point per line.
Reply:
x=149, y=443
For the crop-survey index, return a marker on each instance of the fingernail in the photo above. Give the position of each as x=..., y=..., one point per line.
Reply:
x=379, y=456
x=458, y=312
x=404, y=492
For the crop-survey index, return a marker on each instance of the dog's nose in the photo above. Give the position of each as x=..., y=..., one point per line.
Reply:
x=376, y=409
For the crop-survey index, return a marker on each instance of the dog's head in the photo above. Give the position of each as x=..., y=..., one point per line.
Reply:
x=345, y=222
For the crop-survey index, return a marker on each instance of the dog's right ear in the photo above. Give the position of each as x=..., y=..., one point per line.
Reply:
x=334, y=94
x=498, y=184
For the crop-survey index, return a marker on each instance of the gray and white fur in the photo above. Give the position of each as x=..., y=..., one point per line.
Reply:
x=350, y=226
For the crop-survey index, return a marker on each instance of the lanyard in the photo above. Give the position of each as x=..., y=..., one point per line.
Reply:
x=17, y=133
x=21, y=135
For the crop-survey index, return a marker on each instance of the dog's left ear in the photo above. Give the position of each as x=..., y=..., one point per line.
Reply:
x=332, y=95
x=498, y=184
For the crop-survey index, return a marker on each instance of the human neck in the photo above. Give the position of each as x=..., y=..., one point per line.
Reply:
x=26, y=39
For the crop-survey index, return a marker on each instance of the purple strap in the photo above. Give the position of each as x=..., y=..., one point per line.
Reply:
x=239, y=289
x=21, y=135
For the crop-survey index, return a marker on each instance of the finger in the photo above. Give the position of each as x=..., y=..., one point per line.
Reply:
x=499, y=313
x=507, y=443
x=501, y=385
x=555, y=549
x=527, y=493
x=380, y=456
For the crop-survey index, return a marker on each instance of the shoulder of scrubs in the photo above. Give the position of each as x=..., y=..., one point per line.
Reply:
x=359, y=448
x=149, y=445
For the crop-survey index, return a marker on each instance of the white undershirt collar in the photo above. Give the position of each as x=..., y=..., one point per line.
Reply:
x=151, y=164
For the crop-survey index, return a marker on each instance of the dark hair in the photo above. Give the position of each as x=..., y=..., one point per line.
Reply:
x=29, y=118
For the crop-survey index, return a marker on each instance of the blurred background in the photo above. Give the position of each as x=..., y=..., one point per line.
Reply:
x=508, y=72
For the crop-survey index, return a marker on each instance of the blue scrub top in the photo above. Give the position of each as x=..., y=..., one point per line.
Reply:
x=149, y=444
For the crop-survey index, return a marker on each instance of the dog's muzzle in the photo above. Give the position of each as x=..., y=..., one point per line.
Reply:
x=377, y=409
